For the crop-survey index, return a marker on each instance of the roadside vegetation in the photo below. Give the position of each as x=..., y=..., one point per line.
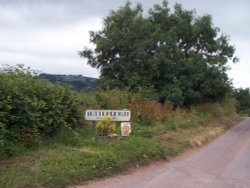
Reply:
x=77, y=82
x=33, y=110
x=242, y=97
x=168, y=68
x=46, y=143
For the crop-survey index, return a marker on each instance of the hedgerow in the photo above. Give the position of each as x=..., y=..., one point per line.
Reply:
x=32, y=109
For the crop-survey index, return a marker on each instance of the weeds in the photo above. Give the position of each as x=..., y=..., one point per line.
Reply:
x=63, y=164
x=70, y=155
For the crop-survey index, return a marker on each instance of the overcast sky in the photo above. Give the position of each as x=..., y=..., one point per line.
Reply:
x=46, y=35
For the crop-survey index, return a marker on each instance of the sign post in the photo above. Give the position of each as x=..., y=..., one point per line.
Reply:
x=115, y=115
x=94, y=128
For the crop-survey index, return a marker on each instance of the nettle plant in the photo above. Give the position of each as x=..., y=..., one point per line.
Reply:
x=105, y=127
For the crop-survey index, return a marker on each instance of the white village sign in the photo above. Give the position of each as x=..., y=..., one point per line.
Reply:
x=116, y=115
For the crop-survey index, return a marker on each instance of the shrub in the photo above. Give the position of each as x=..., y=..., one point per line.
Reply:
x=148, y=112
x=31, y=109
x=113, y=99
x=105, y=127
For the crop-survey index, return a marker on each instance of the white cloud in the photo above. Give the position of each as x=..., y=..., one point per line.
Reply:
x=46, y=35
x=54, y=49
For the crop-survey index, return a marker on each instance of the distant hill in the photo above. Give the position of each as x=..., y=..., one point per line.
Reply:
x=77, y=82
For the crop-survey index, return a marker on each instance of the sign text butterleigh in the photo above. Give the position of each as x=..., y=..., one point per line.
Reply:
x=116, y=115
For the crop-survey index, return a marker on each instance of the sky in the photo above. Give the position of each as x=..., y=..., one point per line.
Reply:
x=47, y=35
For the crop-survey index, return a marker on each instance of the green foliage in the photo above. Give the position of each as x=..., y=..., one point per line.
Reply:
x=212, y=110
x=178, y=54
x=112, y=99
x=243, y=98
x=32, y=109
x=105, y=126
x=62, y=165
x=68, y=137
x=77, y=82
x=72, y=157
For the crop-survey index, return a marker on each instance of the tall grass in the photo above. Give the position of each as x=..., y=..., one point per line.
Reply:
x=61, y=165
x=72, y=157
x=34, y=111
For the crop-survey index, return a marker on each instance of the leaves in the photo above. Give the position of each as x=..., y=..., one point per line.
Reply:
x=32, y=109
x=181, y=55
x=243, y=98
x=105, y=127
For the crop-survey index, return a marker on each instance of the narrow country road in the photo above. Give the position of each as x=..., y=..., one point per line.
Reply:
x=224, y=163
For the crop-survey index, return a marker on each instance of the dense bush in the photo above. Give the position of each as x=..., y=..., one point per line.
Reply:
x=113, y=99
x=243, y=100
x=33, y=109
x=143, y=105
x=146, y=110
x=105, y=127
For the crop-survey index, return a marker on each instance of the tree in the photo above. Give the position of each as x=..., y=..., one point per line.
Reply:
x=181, y=55
x=243, y=98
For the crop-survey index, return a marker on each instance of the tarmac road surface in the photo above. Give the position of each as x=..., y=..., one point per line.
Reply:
x=224, y=163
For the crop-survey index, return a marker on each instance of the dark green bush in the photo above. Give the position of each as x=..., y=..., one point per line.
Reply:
x=33, y=109
x=243, y=100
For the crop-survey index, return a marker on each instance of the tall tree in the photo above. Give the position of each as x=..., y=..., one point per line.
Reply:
x=179, y=54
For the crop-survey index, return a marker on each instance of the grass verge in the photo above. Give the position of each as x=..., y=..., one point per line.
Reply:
x=61, y=165
x=74, y=158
